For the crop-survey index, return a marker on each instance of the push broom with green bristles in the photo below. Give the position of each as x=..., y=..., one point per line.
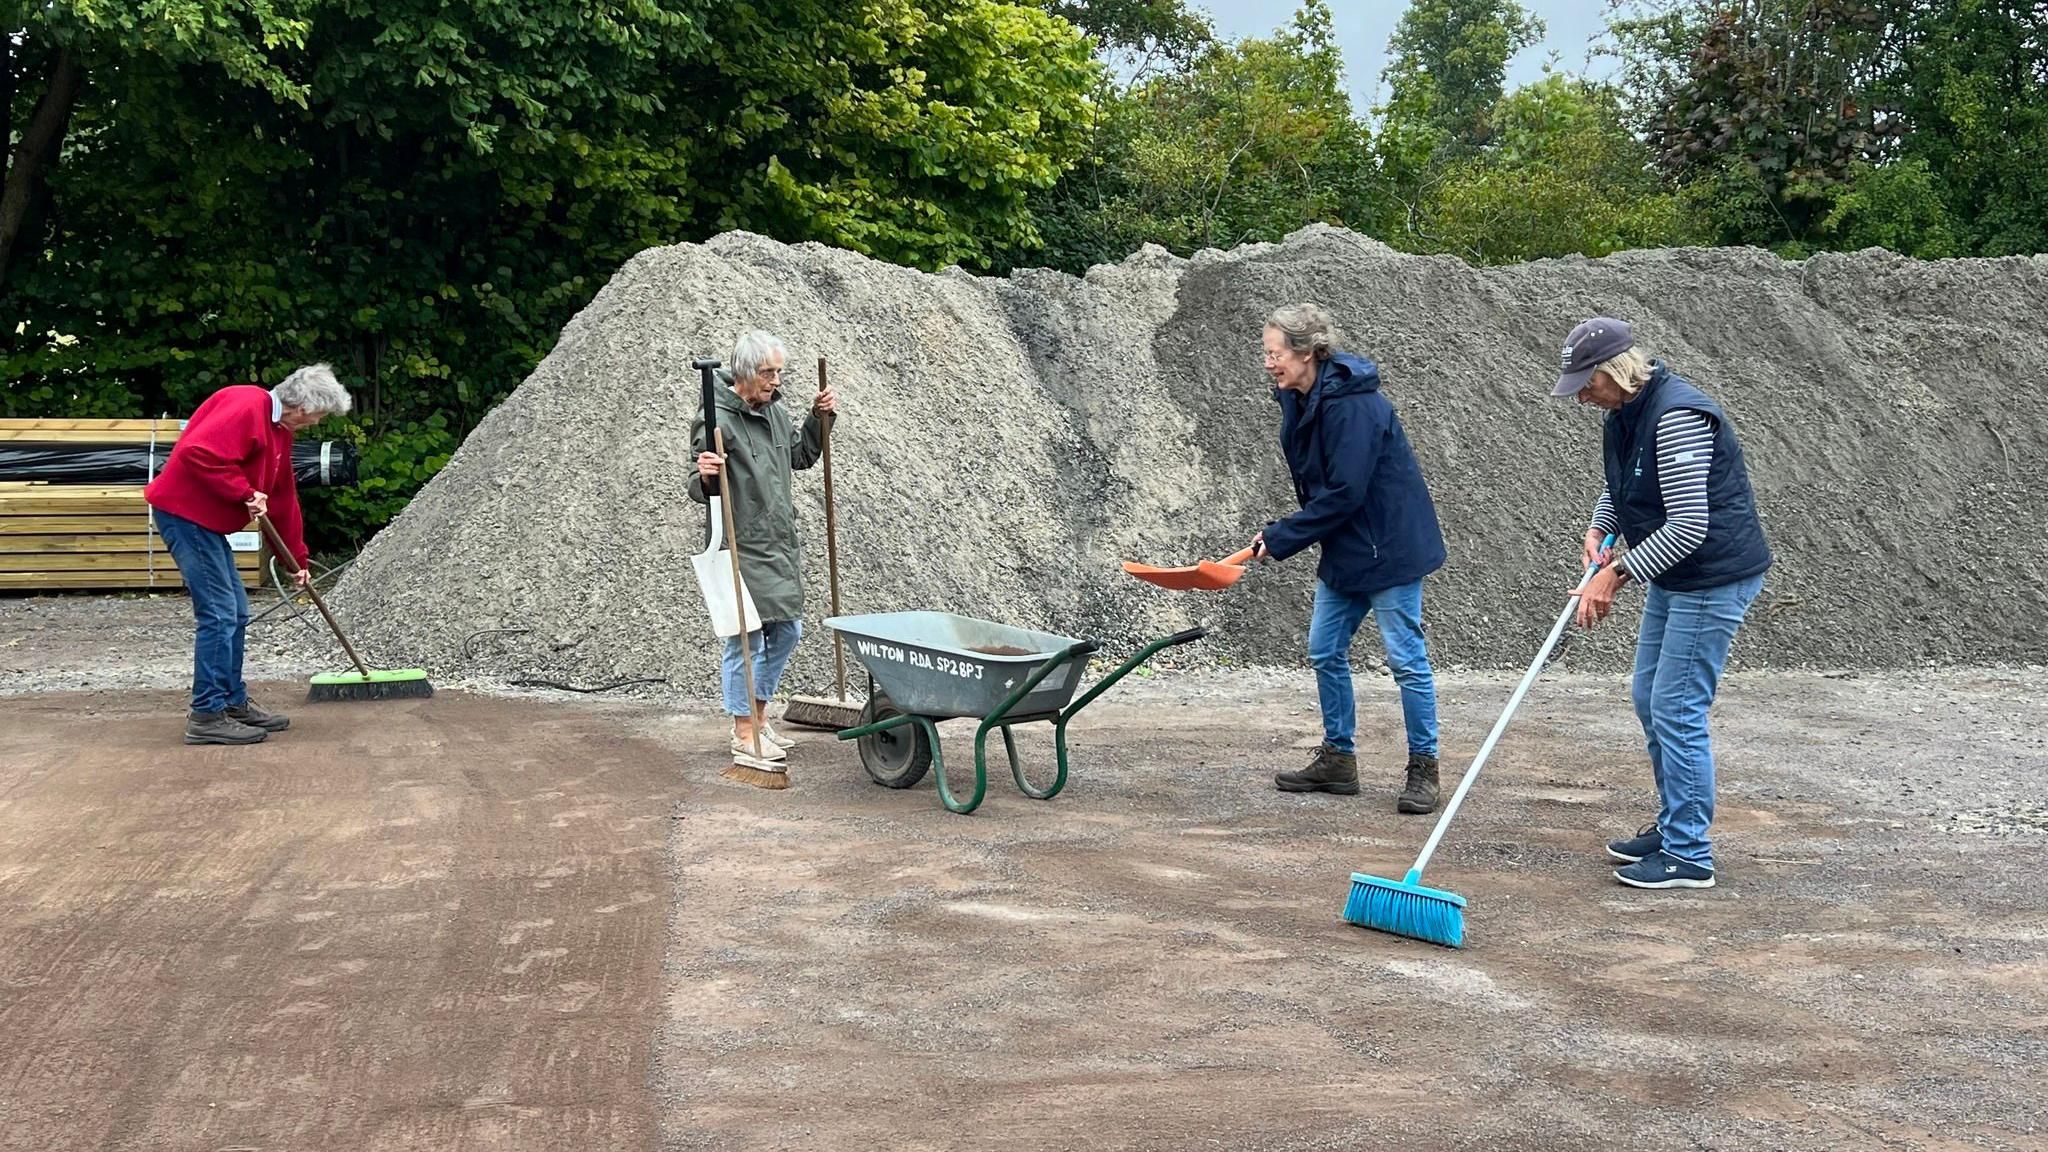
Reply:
x=364, y=683
x=1407, y=908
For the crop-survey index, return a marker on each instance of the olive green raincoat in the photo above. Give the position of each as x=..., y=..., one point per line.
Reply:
x=763, y=450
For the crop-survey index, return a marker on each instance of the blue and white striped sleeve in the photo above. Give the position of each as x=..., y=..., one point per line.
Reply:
x=1685, y=453
x=1604, y=521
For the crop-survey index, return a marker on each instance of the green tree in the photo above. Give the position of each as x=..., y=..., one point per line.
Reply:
x=1447, y=63
x=1560, y=173
x=1165, y=27
x=917, y=135
x=1804, y=124
x=51, y=50
x=1971, y=89
x=1897, y=206
x=463, y=175
x=1253, y=140
x=1764, y=107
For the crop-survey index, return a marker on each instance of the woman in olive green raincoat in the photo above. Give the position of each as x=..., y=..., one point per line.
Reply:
x=764, y=447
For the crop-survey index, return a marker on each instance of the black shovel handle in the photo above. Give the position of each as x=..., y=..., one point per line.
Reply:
x=705, y=368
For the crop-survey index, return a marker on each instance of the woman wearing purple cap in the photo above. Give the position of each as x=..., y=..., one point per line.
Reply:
x=1677, y=492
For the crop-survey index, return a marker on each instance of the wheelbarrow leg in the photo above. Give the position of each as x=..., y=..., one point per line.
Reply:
x=1059, y=781
x=994, y=720
x=1016, y=765
x=1059, y=728
x=931, y=736
x=931, y=733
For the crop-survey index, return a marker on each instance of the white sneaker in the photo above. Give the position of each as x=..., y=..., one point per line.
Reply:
x=770, y=750
x=775, y=736
x=761, y=763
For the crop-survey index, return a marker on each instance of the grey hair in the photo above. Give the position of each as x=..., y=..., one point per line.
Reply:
x=314, y=389
x=751, y=352
x=1308, y=329
x=1629, y=369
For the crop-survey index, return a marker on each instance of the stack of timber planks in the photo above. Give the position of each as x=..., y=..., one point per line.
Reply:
x=72, y=537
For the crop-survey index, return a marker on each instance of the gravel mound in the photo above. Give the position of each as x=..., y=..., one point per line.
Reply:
x=1007, y=442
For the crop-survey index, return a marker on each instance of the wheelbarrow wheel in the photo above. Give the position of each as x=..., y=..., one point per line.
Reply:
x=899, y=757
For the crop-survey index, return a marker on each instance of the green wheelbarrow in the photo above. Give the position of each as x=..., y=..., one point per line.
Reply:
x=925, y=667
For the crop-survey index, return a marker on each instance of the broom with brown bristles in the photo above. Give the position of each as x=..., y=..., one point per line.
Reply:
x=744, y=773
x=816, y=711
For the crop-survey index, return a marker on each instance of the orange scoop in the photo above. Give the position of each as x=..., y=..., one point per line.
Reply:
x=1209, y=574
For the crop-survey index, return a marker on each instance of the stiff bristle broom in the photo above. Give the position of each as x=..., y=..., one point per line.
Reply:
x=761, y=776
x=838, y=714
x=1406, y=907
x=364, y=683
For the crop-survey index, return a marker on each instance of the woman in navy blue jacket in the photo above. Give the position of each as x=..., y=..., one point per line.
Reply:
x=1364, y=501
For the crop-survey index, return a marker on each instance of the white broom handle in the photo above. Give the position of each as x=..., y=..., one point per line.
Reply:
x=1499, y=726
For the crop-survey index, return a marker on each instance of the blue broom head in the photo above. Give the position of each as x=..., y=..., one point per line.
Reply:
x=1406, y=908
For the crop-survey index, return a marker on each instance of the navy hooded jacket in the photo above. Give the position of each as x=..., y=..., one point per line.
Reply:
x=1361, y=490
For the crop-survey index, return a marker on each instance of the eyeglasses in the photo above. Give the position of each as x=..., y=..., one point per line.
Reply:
x=771, y=373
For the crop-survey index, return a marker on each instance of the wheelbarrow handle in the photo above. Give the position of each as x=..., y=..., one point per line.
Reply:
x=1127, y=667
x=1079, y=650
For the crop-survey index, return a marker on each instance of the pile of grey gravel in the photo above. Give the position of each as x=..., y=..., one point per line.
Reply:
x=1006, y=443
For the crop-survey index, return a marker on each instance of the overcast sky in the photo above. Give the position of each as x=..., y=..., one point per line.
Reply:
x=1363, y=27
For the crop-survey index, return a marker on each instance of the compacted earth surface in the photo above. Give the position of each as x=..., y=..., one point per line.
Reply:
x=499, y=919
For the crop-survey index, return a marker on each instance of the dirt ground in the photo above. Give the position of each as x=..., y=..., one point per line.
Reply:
x=545, y=922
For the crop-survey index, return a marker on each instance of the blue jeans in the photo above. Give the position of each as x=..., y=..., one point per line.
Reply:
x=220, y=606
x=771, y=648
x=1330, y=631
x=1679, y=657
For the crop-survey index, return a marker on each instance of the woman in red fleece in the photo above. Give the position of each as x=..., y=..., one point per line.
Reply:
x=232, y=463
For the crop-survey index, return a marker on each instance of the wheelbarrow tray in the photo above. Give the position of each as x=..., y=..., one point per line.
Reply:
x=944, y=666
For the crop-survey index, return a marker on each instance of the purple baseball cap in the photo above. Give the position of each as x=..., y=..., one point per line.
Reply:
x=1590, y=345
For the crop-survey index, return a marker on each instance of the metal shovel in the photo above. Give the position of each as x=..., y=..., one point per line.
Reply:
x=725, y=596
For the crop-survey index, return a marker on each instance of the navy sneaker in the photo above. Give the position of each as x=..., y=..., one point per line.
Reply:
x=1660, y=869
x=1647, y=839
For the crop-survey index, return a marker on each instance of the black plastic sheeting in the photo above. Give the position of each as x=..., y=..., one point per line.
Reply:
x=326, y=464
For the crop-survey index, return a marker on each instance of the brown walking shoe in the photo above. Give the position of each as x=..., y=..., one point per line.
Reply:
x=1331, y=771
x=1419, y=797
x=220, y=728
x=256, y=717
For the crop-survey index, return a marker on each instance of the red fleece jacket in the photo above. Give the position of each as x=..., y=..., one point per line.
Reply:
x=230, y=449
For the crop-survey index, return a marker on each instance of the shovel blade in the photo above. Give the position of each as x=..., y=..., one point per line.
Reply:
x=714, y=579
x=1206, y=576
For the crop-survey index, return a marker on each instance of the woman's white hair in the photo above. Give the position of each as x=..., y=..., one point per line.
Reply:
x=314, y=389
x=1629, y=369
x=752, y=351
x=1307, y=329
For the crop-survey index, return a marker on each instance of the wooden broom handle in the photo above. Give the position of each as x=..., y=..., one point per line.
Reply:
x=277, y=543
x=832, y=538
x=739, y=589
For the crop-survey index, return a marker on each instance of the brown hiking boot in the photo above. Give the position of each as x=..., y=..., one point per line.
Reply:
x=1419, y=797
x=1331, y=771
x=256, y=717
x=220, y=728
